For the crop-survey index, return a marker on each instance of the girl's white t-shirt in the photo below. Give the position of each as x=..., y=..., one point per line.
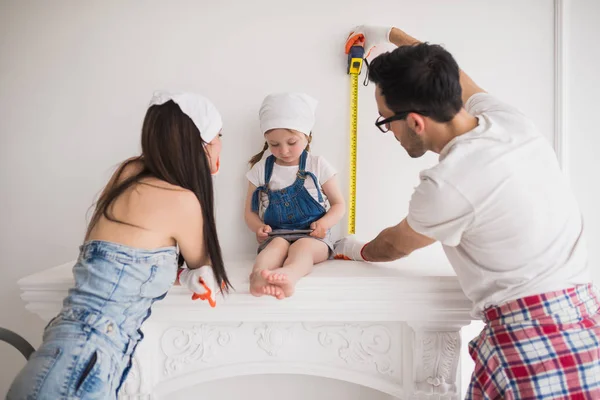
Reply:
x=284, y=176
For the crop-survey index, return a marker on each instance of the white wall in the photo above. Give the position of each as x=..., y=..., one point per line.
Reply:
x=581, y=34
x=583, y=103
x=75, y=78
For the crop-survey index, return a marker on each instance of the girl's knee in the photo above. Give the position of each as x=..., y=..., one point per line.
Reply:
x=309, y=243
x=279, y=243
x=318, y=249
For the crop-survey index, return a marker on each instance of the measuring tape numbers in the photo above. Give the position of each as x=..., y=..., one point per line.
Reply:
x=355, y=61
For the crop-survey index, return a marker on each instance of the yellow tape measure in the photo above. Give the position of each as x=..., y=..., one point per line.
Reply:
x=355, y=60
x=353, y=151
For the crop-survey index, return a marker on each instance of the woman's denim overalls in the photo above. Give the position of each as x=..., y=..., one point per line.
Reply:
x=87, y=349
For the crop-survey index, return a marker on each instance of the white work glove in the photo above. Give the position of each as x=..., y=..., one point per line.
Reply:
x=348, y=248
x=200, y=281
x=373, y=35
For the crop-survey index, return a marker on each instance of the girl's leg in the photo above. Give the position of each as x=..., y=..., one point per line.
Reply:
x=270, y=258
x=302, y=256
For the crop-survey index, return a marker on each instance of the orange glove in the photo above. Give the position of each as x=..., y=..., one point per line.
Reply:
x=200, y=281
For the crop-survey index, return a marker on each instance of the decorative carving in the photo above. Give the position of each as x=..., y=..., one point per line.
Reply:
x=132, y=387
x=200, y=343
x=436, y=361
x=357, y=344
x=272, y=336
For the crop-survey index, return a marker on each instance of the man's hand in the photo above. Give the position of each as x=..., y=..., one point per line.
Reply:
x=319, y=230
x=201, y=282
x=373, y=35
x=349, y=248
x=263, y=233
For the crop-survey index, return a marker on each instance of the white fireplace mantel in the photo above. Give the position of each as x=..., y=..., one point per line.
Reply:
x=391, y=327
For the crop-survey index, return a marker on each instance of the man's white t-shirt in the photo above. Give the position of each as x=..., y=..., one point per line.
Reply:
x=500, y=205
x=284, y=176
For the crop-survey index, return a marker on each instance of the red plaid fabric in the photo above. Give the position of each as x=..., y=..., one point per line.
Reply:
x=540, y=347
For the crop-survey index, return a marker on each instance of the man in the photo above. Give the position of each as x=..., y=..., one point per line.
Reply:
x=505, y=215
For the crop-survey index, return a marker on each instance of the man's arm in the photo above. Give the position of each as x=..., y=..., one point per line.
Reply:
x=394, y=243
x=469, y=88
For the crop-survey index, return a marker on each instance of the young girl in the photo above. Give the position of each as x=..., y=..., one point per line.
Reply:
x=290, y=190
x=155, y=203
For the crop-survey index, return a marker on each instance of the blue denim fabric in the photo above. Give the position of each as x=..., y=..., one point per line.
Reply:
x=292, y=207
x=87, y=348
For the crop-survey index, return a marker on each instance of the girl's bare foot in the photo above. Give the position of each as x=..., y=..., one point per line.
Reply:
x=275, y=291
x=257, y=284
x=280, y=279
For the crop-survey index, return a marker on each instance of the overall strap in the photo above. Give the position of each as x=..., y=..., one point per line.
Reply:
x=303, y=157
x=255, y=197
x=302, y=173
x=268, y=172
x=316, y=182
x=269, y=169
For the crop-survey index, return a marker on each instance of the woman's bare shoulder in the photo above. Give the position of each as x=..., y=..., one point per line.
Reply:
x=128, y=168
x=135, y=165
x=155, y=191
x=179, y=201
x=180, y=208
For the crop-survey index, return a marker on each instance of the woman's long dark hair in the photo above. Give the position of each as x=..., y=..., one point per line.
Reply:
x=172, y=151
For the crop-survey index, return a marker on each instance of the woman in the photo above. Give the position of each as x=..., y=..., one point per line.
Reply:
x=154, y=205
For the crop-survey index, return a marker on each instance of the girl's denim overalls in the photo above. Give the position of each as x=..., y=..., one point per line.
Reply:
x=292, y=207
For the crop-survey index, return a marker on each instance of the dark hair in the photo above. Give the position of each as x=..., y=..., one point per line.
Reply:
x=423, y=78
x=258, y=156
x=172, y=151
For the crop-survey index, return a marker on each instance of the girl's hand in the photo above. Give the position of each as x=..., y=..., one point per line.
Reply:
x=319, y=230
x=263, y=233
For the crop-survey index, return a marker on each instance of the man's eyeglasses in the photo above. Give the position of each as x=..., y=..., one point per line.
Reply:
x=384, y=123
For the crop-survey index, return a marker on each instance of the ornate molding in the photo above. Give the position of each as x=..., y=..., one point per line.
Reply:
x=133, y=386
x=436, y=362
x=200, y=343
x=366, y=340
x=357, y=344
x=272, y=336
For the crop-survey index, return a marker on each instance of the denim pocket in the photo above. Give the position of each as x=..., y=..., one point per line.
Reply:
x=29, y=383
x=45, y=358
x=95, y=375
x=86, y=371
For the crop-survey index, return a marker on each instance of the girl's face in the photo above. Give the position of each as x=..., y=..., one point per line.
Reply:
x=213, y=150
x=286, y=145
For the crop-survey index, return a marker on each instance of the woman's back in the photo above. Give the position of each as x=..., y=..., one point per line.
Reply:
x=146, y=214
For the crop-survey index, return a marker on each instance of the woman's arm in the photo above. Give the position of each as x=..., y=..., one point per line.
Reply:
x=188, y=230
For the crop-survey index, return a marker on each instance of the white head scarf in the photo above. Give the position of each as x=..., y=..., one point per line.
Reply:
x=201, y=111
x=288, y=111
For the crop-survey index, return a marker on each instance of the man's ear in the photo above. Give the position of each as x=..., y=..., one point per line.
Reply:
x=416, y=122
